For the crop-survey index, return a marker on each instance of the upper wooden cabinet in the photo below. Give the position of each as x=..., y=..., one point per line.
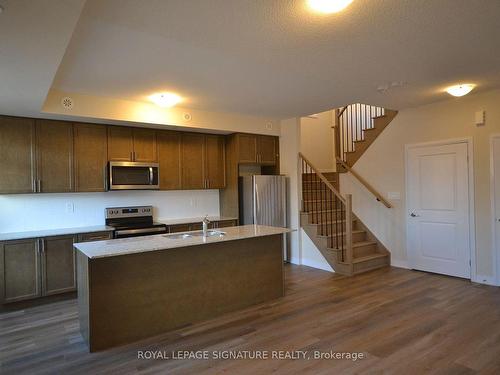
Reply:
x=131, y=144
x=54, y=150
x=169, y=157
x=17, y=155
x=257, y=149
x=215, y=161
x=267, y=150
x=193, y=161
x=202, y=161
x=91, y=156
x=247, y=148
x=145, y=145
x=120, y=143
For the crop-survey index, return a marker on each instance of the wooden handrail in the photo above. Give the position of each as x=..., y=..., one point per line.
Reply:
x=323, y=178
x=342, y=111
x=370, y=188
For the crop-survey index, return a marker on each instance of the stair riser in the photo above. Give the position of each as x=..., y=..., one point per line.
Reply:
x=370, y=264
x=361, y=251
x=356, y=237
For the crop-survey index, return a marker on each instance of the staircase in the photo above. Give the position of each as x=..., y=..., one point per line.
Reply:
x=356, y=127
x=326, y=216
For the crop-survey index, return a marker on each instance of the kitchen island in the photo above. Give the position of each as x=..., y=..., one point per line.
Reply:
x=133, y=288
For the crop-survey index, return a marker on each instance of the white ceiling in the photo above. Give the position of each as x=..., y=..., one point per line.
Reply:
x=34, y=36
x=276, y=58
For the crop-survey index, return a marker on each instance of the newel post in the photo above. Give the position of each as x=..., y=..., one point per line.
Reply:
x=348, y=228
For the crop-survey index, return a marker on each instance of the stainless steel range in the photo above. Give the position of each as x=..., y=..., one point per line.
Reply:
x=133, y=221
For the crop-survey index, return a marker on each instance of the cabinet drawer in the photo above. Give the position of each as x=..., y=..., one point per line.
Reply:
x=96, y=236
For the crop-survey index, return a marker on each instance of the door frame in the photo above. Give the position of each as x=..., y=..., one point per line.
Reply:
x=495, y=246
x=470, y=171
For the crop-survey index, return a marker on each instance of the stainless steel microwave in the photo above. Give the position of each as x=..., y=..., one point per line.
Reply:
x=125, y=175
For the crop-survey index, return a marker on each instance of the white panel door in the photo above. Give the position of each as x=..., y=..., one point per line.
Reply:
x=496, y=196
x=438, y=209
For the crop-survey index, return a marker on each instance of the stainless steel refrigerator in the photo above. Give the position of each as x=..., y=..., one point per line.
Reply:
x=263, y=202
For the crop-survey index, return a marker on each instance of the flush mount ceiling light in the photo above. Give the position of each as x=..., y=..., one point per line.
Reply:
x=460, y=90
x=165, y=99
x=328, y=6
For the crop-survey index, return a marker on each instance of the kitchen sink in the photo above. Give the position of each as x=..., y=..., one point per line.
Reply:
x=210, y=233
x=182, y=236
x=179, y=236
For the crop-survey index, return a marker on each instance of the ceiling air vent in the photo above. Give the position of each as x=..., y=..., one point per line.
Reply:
x=67, y=102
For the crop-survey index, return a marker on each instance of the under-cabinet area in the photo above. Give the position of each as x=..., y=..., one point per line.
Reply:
x=48, y=156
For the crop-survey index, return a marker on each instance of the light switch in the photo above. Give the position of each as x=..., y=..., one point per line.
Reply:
x=480, y=118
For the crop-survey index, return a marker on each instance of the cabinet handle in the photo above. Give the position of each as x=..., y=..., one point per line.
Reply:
x=39, y=186
x=33, y=186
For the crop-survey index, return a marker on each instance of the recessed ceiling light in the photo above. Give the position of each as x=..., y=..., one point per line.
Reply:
x=328, y=6
x=460, y=90
x=165, y=99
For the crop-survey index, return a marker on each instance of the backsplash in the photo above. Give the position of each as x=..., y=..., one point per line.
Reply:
x=25, y=212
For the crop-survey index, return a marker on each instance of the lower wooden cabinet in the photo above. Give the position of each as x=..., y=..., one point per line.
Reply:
x=40, y=267
x=20, y=268
x=58, y=265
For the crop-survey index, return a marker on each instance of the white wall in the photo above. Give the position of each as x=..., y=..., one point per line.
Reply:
x=316, y=140
x=289, y=148
x=383, y=165
x=26, y=212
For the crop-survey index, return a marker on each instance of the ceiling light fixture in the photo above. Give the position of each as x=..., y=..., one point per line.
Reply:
x=460, y=90
x=328, y=6
x=165, y=99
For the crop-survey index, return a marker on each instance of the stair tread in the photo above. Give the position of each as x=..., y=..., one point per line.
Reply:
x=363, y=243
x=381, y=116
x=369, y=257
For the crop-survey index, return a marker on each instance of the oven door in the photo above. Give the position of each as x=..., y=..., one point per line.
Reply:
x=136, y=232
x=124, y=175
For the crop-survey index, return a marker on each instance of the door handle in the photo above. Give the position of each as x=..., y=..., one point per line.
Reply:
x=413, y=214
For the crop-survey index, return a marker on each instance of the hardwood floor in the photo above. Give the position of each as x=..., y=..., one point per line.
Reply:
x=402, y=321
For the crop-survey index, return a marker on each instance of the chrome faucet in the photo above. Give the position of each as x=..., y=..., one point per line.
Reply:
x=205, y=223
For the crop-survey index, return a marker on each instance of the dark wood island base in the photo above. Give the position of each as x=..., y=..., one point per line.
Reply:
x=126, y=298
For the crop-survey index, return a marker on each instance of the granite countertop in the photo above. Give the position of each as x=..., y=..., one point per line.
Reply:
x=189, y=220
x=132, y=245
x=53, y=232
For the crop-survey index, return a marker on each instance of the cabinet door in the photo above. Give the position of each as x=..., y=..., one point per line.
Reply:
x=17, y=155
x=54, y=156
x=58, y=265
x=215, y=165
x=176, y=228
x=169, y=157
x=120, y=143
x=193, y=161
x=19, y=264
x=247, y=148
x=91, y=156
x=266, y=150
x=145, y=145
x=95, y=236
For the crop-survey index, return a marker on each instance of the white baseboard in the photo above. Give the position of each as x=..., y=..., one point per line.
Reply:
x=295, y=261
x=400, y=263
x=487, y=280
x=318, y=265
